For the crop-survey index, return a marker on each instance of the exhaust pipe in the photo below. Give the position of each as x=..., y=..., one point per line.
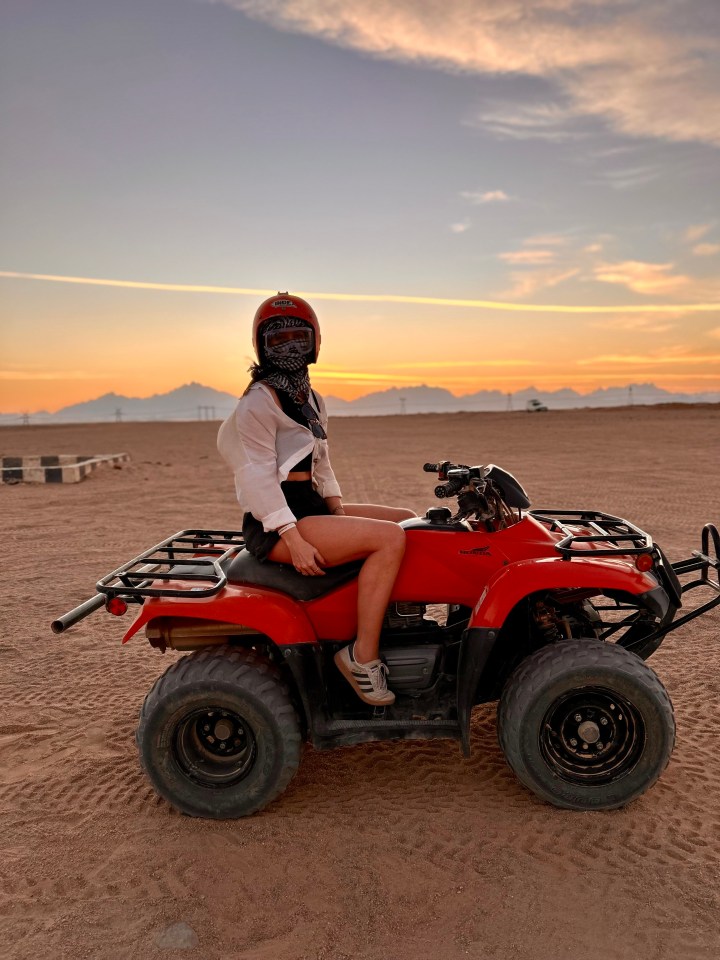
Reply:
x=184, y=633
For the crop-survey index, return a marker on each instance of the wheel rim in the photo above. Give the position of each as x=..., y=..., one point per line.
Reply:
x=214, y=747
x=592, y=736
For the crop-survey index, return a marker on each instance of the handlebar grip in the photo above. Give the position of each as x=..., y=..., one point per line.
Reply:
x=444, y=490
x=431, y=467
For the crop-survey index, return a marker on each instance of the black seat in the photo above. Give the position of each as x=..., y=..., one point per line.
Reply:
x=244, y=568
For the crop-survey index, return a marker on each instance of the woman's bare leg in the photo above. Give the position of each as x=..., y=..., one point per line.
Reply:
x=376, y=511
x=341, y=539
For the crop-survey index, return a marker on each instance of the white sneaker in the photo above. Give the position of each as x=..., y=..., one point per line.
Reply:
x=368, y=680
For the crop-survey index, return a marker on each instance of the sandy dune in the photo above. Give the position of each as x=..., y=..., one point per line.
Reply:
x=380, y=851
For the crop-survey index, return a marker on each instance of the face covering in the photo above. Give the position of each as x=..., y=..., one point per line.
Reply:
x=287, y=363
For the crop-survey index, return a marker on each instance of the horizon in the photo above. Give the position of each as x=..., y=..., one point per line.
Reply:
x=633, y=391
x=473, y=211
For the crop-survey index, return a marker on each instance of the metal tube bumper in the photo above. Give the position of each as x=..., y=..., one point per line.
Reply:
x=78, y=613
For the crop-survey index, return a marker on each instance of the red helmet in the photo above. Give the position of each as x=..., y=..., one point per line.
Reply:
x=285, y=305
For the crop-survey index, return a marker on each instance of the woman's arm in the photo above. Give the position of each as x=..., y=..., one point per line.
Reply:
x=247, y=443
x=305, y=557
x=334, y=505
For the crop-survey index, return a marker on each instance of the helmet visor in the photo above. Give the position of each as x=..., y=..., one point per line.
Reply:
x=290, y=340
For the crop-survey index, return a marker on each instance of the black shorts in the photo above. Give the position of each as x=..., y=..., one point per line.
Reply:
x=303, y=500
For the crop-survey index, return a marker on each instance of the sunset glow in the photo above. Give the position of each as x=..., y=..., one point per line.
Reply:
x=474, y=197
x=90, y=357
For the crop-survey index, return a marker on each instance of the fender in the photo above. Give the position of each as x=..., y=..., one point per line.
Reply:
x=267, y=611
x=513, y=583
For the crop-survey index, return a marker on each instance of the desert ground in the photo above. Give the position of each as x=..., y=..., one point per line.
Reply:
x=393, y=850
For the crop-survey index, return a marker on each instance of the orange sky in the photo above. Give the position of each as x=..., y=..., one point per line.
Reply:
x=64, y=343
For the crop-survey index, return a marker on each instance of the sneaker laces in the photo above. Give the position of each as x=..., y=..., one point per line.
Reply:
x=378, y=673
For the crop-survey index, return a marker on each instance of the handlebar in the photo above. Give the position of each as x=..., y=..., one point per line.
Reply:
x=455, y=475
x=465, y=483
x=445, y=470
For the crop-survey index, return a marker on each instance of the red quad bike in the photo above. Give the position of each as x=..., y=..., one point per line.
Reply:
x=551, y=612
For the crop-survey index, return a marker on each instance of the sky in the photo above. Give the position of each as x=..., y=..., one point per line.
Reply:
x=473, y=195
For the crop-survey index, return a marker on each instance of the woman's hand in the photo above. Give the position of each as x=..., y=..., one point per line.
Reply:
x=304, y=556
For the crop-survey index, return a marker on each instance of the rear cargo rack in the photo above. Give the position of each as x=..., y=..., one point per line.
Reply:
x=185, y=558
x=624, y=536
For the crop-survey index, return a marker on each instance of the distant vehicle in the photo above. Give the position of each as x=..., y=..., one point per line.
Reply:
x=536, y=406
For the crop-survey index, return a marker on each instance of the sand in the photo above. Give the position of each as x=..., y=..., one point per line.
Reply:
x=393, y=850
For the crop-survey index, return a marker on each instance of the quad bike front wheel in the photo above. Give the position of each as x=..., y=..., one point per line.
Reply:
x=586, y=725
x=218, y=734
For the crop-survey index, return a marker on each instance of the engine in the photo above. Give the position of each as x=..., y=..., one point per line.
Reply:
x=405, y=616
x=412, y=647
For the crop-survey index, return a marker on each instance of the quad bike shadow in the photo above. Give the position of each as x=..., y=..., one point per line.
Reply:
x=552, y=613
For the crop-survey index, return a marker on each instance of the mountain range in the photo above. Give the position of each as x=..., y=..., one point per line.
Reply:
x=193, y=401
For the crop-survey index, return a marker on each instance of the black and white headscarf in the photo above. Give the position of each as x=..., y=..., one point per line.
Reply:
x=288, y=370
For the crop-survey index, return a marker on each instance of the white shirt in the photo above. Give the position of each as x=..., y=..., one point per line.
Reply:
x=261, y=444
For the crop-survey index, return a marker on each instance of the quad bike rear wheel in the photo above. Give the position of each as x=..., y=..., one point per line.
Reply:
x=218, y=734
x=586, y=725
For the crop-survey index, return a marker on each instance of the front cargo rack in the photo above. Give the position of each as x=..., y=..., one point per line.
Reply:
x=188, y=557
x=624, y=536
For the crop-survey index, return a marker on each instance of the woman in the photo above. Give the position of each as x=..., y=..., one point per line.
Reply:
x=276, y=444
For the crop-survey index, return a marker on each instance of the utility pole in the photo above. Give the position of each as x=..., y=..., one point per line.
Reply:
x=118, y=415
x=26, y=419
x=509, y=403
x=402, y=405
x=630, y=395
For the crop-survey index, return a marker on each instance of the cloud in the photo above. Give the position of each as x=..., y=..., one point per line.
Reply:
x=527, y=283
x=460, y=227
x=637, y=324
x=478, y=197
x=649, y=278
x=541, y=121
x=697, y=231
x=643, y=360
x=49, y=375
x=545, y=240
x=646, y=70
x=448, y=364
x=358, y=377
x=711, y=306
x=539, y=250
x=527, y=256
x=627, y=177
x=715, y=333
x=706, y=249
x=593, y=248
x=678, y=100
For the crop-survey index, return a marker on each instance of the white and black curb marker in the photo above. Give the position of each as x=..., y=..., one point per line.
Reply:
x=62, y=468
